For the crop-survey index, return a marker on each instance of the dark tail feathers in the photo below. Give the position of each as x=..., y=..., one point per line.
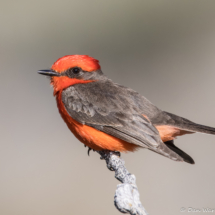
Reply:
x=188, y=125
x=186, y=157
x=198, y=128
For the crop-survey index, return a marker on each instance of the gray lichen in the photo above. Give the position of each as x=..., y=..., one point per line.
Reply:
x=127, y=198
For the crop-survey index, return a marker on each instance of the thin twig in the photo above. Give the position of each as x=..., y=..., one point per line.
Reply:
x=126, y=197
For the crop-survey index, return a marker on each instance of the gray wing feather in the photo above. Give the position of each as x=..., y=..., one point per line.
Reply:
x=107, y=112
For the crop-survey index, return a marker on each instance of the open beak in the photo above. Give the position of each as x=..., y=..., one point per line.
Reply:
x=48, y=73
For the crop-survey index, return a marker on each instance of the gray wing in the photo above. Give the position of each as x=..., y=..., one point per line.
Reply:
x=113, y=111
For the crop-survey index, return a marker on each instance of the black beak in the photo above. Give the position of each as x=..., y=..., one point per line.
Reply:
x=48, y=73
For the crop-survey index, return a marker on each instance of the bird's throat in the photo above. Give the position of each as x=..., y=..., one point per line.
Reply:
x=61, y=83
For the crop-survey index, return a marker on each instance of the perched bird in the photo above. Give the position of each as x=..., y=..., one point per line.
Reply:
x=107, y=116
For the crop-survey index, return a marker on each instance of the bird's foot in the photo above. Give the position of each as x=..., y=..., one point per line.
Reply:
x=89, y=149
x=117, y=153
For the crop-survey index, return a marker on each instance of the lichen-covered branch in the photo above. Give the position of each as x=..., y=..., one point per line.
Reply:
x=126, y=198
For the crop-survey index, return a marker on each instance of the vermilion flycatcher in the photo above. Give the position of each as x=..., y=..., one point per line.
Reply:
x=107, y=116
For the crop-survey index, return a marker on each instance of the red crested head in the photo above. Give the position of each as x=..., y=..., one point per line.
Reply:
x=73, y=69
x=85, y=62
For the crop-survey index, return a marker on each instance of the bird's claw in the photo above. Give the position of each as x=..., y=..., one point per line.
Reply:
x=89, y=149
x=117, y=153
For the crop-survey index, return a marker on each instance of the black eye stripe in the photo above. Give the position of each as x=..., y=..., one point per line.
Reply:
x=73, y=72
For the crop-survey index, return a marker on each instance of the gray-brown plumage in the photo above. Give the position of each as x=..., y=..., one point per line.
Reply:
x=120, y=112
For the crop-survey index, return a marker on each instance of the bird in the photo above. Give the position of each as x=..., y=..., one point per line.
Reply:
x=104, y=115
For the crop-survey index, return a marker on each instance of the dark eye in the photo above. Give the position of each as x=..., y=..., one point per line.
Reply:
x=75, y=70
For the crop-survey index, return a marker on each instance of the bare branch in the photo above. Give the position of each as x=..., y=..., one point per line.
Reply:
x=126, y=197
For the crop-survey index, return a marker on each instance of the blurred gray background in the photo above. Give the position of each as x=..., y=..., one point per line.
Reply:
x=163, y=49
